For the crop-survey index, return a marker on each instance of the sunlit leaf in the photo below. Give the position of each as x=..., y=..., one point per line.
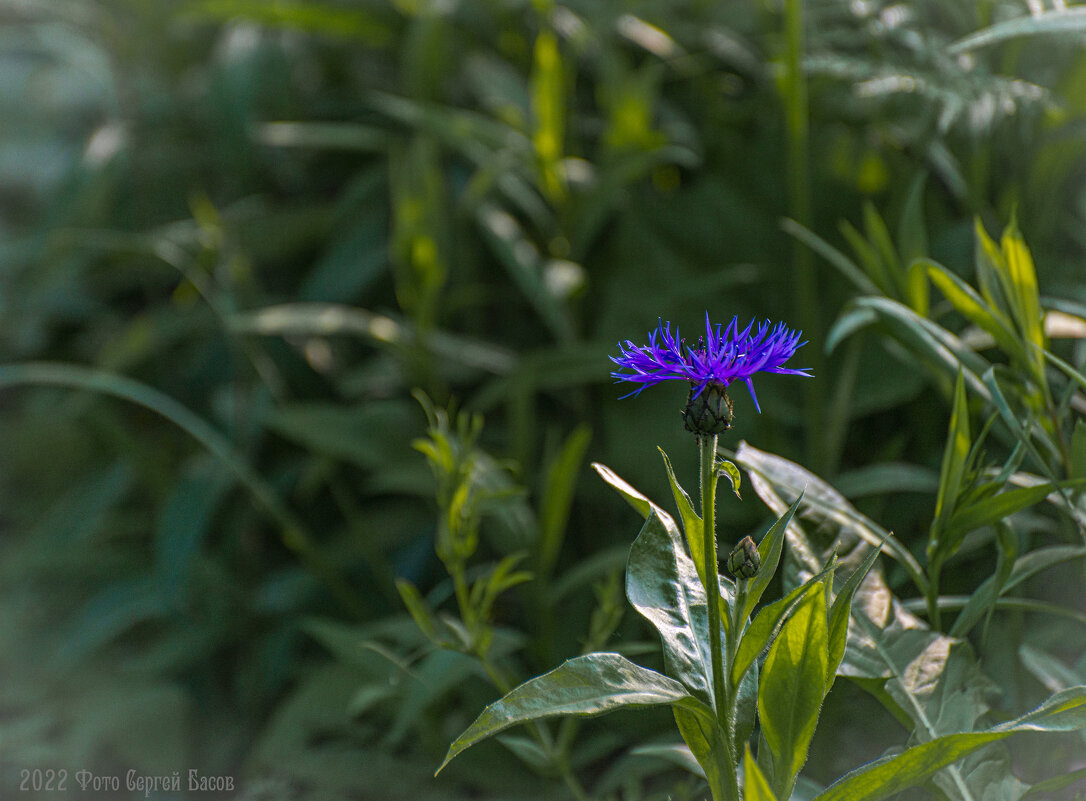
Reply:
x=769, y=551
x=755, y=785
x=662, y=584
x=642, y=505
x=793, y=679
x=693, y=528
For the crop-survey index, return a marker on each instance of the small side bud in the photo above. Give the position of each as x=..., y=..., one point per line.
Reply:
x=710, y=412
x=744, y=561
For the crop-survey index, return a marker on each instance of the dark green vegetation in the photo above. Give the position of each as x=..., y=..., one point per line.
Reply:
x=237, y=234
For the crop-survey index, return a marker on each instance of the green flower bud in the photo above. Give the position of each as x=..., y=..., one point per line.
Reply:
x=744, y=561
x=710, y=412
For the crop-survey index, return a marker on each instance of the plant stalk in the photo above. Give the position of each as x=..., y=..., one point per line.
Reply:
x=731, y=647
x=707, y=447
x=721, y=704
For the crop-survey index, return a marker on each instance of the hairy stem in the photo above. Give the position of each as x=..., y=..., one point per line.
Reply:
x=707, y=446
x=707, y=452
x=731, y=647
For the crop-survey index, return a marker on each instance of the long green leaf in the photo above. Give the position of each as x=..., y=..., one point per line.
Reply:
x=940, y=351
x=998, y=507
x=334, y=319
x=792, y=683
x=769, y=551
x=1064, y=711
x=879, y=236
x=583, y=686
x=958, y=441
x=755, y=785
x=706, y=740
x=692, y=527
x=1029, y=565
x=869, y=257
x=891, y=775
x=548, y=101
x=639, y=502
x=836, y=258
x=765, y=627
x=965, y=299
x=841, y=613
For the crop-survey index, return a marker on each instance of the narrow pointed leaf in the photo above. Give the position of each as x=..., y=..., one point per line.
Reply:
x=885, y=777
x=792, y=682
x=1047, y=669
x=418, y=608
x=950, y=478
x=726, y=468
x=841, y=613
x=692, y=527
x=706, y=740
x=1065, y=22
x=869, y=259
x=1025, y=567
x=1022, y=277
x=1064, y=711
x=936, y=348
x=836, y=258
x=879, y=236
x=769, y=550
x=767, y=624
x=755, y=785
x=965, y=299
x=1001, y=506
x=641, y=504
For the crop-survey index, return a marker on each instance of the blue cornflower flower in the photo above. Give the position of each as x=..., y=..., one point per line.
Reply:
x=719, y=358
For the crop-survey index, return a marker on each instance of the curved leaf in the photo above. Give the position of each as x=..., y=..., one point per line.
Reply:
x=1064, y=711
x=584, y=686
x=662, y=584
x=769, y=551
x=641, y=504
x=692, y=527
x=1065, y=22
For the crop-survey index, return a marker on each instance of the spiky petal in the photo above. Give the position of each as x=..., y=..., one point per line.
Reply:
x=721, y=356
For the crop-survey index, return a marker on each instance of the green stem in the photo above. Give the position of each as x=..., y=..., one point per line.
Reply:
x=721, y=704
x=707, y=446
x=733, y=635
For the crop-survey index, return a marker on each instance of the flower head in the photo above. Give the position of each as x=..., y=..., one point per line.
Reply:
x=721, y=356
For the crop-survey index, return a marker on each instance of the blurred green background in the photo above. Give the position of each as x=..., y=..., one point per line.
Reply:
x=236, y=234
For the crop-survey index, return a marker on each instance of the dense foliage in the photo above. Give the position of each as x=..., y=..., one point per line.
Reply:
x=305, y=310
